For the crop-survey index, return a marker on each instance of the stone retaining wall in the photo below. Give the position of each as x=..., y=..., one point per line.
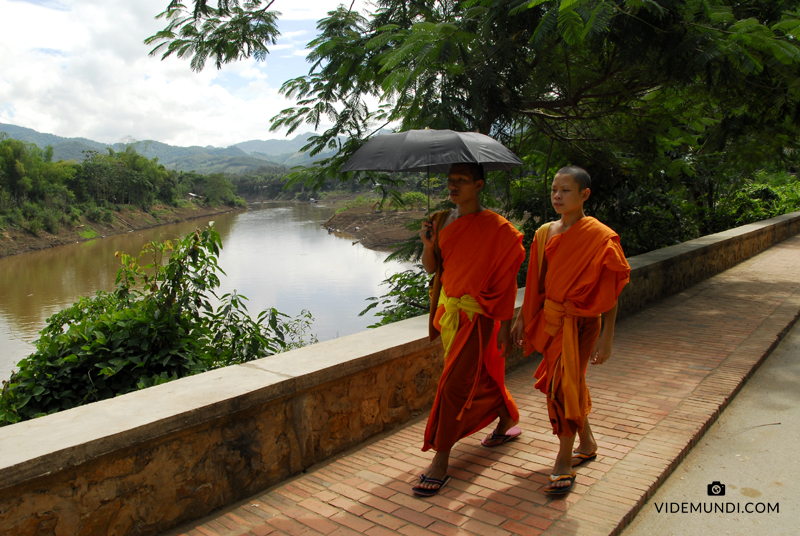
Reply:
x=664, y=272
x=148, y=461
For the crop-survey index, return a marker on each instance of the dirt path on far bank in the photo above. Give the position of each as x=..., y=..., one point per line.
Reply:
x=14, y=241
x=374, y=230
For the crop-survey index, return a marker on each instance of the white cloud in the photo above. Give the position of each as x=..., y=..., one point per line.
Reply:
x=313, y=9
x=79, y=68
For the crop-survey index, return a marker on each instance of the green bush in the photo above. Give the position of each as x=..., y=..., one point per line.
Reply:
x=14, y=217
x=50, y=221
x=407, y=297
x=130, y=339
x=30, y=210
x=74, y=217
x=790, y=197
x=35, y=226
x=95, y=214
x=754, y=202
x=411, y=201
x=107, y=217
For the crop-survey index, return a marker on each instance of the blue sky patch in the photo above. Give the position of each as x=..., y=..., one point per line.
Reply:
x=51, y=52
x=7, y=108
x=49, y=4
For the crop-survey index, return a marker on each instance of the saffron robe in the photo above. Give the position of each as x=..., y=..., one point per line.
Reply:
x=584, y=272
x=481, y=254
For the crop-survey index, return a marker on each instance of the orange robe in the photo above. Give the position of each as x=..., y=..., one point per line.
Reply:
x=585, y=271
x=481, y=255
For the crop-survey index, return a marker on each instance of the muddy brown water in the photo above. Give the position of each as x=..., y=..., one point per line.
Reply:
x=275, y=254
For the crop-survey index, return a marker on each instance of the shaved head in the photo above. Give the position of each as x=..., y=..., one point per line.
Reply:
x=580, y=175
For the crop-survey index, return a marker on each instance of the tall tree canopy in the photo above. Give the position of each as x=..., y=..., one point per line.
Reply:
x=660, y=99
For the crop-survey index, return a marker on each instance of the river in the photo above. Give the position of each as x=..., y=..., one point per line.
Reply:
x=275, y=254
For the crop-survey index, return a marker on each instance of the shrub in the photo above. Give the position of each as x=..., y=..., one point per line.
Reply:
x=95, y=214
x=30, y=210
x=35, y=226
x=130, y=339
x=14, y=217
x=414, y=200
x=50, y=221
x=107, y=217
x=407, y=297
x=297, y=332
x=753, y=202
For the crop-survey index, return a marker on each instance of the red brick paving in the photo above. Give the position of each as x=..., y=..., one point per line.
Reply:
x=676, y=366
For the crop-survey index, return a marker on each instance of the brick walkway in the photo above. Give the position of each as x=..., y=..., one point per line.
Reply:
x=675, y=367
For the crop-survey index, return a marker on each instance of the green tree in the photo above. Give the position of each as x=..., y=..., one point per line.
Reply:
x=219, y=190
x=672, y=105
x=158, y=325
x=613, y=83
x=230, y=31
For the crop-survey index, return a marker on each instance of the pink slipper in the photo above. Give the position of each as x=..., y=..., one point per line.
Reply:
x=495, y=440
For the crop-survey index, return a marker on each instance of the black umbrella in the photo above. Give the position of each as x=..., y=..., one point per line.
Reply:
x=431, y=151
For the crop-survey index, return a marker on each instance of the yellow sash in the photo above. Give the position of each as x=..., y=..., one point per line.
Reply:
x=449, y=322
x=450, y=319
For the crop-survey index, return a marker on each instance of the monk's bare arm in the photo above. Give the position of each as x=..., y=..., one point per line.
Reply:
x=602, y=348
x=518, y=330
x=428, y=257
x=504, y=338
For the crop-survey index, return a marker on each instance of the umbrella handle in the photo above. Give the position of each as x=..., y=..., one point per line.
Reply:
x=428, y=232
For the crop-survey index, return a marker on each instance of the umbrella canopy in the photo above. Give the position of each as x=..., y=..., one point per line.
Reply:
x=430, y=150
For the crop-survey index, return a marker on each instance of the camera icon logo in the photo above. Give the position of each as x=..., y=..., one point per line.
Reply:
x=715, y=489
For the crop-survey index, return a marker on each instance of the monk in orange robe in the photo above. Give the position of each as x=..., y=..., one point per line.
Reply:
x=476, y=255
x=576, y=272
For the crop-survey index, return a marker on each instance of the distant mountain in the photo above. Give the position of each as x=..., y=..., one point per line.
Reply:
x=238, y=158
x=275, y=147
x=63, y=148
x=286, y=152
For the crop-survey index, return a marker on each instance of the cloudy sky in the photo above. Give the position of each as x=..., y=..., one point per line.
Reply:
x=78, y=68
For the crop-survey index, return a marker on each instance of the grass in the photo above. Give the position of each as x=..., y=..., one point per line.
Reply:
x=88, y=233
x=359, y=201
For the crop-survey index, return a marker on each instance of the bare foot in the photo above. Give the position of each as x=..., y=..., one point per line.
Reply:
x=558, y=483
x=505, y=423
x=587, y=445
x=437, y=470
x=498, y=438
x=563, y=465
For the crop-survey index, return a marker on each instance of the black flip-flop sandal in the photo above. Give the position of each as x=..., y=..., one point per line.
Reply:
x=430, y=492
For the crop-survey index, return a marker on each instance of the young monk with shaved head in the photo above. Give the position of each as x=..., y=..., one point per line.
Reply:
x=475, y=254
x=576, y=272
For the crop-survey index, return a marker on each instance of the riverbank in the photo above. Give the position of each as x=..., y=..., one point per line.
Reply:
x=14, y=241
x=379, y=231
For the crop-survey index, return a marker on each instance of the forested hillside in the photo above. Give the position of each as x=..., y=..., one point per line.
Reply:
x=38, y=194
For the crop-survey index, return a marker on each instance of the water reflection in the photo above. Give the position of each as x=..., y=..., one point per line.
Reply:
x=275, y=254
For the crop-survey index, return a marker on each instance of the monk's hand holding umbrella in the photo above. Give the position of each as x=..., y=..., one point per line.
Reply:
x=428, y=234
